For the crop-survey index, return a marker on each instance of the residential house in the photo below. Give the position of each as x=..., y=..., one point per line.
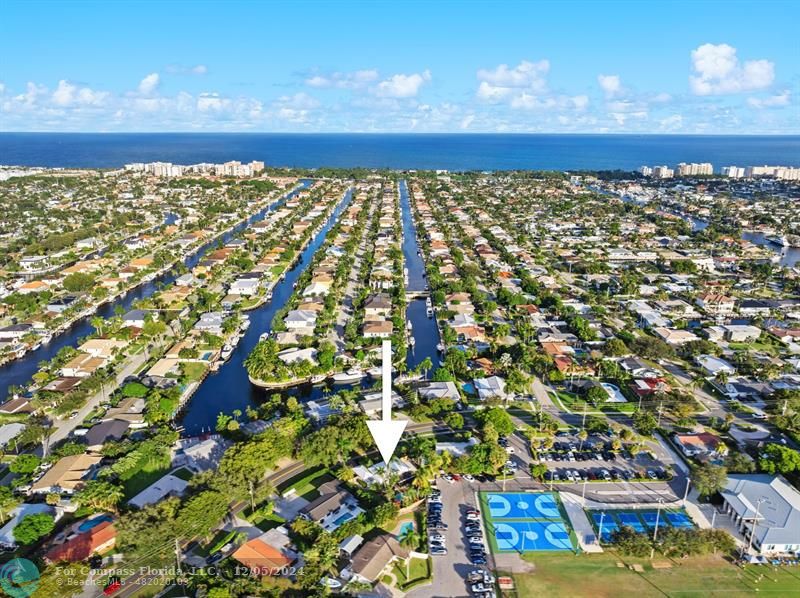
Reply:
x=98, y=539
x=703, y=444
x=374, y=558
x=67, y=475
x=332, y=508
x=168, y=485
x=265, y=554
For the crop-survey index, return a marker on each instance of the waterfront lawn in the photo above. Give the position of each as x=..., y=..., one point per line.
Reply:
x=193, y=371
x=598, y=575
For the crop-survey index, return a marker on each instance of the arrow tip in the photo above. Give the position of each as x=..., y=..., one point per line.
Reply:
x=387, y=434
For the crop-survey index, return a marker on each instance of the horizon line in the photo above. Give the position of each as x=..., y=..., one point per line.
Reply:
x=409, y=133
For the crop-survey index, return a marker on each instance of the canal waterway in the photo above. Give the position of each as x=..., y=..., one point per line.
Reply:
x=423, y=328
x=19, y=371
x=229, y=388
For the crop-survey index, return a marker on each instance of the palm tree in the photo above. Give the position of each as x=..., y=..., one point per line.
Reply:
x=410, y=538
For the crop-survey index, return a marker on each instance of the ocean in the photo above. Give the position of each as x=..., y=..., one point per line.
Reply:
x=397, y=151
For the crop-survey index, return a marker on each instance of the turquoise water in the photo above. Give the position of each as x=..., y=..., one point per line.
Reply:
x=405, y=528
x=342, y=519
x=90, y=523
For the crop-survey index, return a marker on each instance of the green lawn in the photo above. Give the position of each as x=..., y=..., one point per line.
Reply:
x=576, y=404
x=598, y=576
x=145, y=474
x=193, y=371
x=306, y=484
x=263, y=521
x=419, y=571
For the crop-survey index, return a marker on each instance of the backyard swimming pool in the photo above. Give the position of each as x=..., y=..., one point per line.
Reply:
x=85, y=526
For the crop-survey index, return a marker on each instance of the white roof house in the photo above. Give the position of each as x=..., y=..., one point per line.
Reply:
x=376, y=474
x=301, y=318
x=491, y=387
x=169, y=485
x=9, y=432
x=714, y=365
x=769, y=506
x=245, y=286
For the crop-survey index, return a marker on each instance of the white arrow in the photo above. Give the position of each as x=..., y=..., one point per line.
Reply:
x=386, y=432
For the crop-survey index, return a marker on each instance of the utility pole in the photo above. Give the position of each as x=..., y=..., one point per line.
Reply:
x=686, y=492
x=252, y=498
x=660, y=405
x=177, y=555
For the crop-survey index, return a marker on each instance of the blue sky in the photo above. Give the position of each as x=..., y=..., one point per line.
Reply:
x=588, y=67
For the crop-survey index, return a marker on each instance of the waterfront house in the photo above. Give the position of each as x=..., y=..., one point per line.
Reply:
x=439, y=390
x=210, y=322
x=136, y=318
x=491, y=387
x=300, y=319
x=378, y=329
x=15, y=332
x=105, y=431
x=82, y=365
x=714, y=365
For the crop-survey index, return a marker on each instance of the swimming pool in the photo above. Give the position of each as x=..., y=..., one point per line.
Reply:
x=614, y=393
x=85, y=526
x=341, y=519
x=407, y=526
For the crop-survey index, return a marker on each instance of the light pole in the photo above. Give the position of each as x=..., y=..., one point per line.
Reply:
x=600, y=533
x=655, y=531
x=686, y=492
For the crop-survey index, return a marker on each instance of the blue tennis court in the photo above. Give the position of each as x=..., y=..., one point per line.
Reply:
x=631, y=520
x=650, y=520
x=605, y=525
x=520, y=505
x=527, y=536
x=679, y=520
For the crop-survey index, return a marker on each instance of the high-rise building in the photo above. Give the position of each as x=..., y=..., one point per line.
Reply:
x=733, y=172
x=694, y=169
x=646, y=170
x=663, y=172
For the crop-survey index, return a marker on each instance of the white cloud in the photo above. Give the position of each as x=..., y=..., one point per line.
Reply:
x=149, y=84
x=68, y=94
x=199, y=69
x=2, y=88
x=718, y=71
x=402, y=86
x=610, y=84
x=781, y=99
x=353, y=80
x=580, y=102
x=179, y=69
x=467, y=121
x=503, y=81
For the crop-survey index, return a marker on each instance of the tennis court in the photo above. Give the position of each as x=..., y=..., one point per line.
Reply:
x=527, y=536
x=525, y=522
x=639, y=521
x=517, y=505
x=631, y=520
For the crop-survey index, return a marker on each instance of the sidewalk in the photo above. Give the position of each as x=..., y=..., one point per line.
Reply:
x=587, y=538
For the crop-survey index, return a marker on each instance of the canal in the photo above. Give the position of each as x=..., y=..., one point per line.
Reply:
x=423, y=328
x=229, y=388
x=19, y=371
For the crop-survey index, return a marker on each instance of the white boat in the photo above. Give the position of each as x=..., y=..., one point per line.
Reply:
x=245, y=323
x=36, y=346
x=428, y=302
x=351, y=375
x=319, y=378
x=778, y=240
x=225, y=354
x=264, y=336
x=46, y=338
x=430, y=312
x=440, y=348
x=411, y=341
x=408, y=326
x=375, y=372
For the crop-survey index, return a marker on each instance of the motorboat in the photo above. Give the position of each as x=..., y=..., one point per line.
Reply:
x=318, y=378
x=430, y=312
x=375, y=372
x=440, y=348
x=264, y=336
x=245, y=323
x=351, y=375
x=46, y=338
x=225, y=354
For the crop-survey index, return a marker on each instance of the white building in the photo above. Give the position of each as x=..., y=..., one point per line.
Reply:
x=766, y=507
x=733, y=172
x=663, y=172
x=694, y=169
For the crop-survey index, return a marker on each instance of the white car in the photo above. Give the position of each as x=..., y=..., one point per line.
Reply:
x=469, y=477
x=437, y=538
x=473, y=517
x=510, y=450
